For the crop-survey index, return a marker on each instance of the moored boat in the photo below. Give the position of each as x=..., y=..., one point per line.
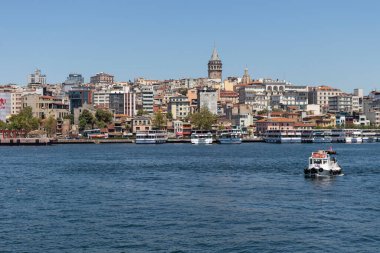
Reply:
x=338, y=135
x=322, y=136
x=356, y=136
x=230, y=137
x=201, y=137
x=321, y=163
x=369, y=136
x=283, y=136
x=151, y=137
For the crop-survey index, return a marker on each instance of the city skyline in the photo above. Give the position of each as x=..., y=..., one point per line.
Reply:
x=304, y=43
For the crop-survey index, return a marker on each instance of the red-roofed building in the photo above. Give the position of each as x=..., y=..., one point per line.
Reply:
x=279, y=123
x=229, y=97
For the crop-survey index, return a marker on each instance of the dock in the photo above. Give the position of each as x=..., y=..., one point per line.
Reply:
x=25, y=141
x=92, y=141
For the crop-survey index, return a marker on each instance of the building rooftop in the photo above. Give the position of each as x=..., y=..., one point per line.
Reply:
x=277, y=120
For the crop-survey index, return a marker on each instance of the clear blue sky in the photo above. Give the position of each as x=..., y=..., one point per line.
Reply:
x=306, y=42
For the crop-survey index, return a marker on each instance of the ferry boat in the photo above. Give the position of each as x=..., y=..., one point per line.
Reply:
x=322, y=136
x=230, y=137
x=282, y=136
x=321, y=163
x=200, y=137
x=151, y=137
x=353, y=136
x=307, y=136
x=338, y=135
x=369, y=136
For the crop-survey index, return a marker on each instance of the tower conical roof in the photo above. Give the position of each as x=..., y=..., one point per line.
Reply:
x=215, y=56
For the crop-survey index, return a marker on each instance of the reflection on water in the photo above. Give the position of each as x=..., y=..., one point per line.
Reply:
x=322, y=181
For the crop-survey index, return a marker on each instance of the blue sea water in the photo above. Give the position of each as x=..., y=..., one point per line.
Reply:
x=186, y=198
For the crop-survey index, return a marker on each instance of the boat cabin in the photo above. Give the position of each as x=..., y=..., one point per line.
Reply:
x=320, y=157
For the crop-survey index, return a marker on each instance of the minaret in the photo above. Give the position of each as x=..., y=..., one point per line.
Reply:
x=215, y=66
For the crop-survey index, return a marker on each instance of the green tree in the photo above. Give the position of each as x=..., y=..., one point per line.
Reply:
x=182, y=91
x=103, y=116
x=141, y=112
x=82, y=124
x=263, y=112
x=3, y=125
x=169, y=116
x=86, y=120
x=50, y=126
x=158, y=120
x=101, y=124
x=203, y=119
x=24, y=120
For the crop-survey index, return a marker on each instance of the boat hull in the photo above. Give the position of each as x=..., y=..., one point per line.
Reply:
x=205, y=141
x=142, y=141
x=322, y=140
x=369, y=139
x=230, y=141
x=319, y=172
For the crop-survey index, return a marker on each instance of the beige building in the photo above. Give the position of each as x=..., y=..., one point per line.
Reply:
x=320, y=95
x=373, y=116
x=141, y=123
x=45, y=106
x=179, y=107
x=15, y=95
x=102, y=78
x=101, y=99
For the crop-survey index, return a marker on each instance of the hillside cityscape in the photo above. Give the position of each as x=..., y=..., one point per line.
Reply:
x=120, y=108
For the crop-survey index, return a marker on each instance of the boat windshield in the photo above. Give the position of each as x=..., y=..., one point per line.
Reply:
x=318, y=161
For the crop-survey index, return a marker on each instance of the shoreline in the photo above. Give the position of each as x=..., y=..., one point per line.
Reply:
x=48, y=142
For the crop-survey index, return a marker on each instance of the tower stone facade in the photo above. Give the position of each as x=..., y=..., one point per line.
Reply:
x=215, y=66
x=246, y=77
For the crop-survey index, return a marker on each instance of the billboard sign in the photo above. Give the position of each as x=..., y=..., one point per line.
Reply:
x=5, y=105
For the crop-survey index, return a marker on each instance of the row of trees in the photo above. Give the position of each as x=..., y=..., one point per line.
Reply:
x=27, y=122
x=202, y=120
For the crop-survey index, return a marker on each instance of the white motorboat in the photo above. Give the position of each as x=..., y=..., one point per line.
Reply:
x=321, y=163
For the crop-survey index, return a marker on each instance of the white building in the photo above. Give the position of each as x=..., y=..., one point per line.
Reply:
x=273, y=93
x=340, y=103
x=101, y=98
x=147, y=98
x=37, y=78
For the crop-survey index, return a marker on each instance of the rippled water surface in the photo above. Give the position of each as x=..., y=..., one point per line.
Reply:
x=184, y=198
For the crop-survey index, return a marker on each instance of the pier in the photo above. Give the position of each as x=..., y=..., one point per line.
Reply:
x=25, y=141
